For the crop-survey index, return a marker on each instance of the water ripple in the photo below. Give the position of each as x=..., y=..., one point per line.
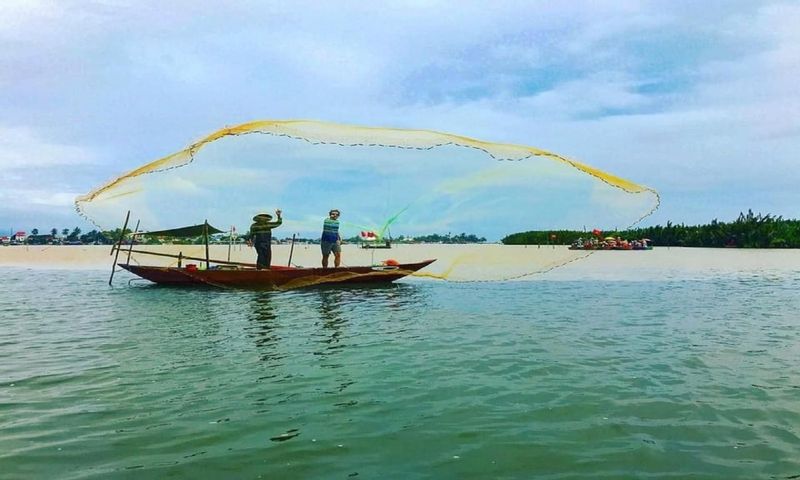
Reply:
x=667, y=379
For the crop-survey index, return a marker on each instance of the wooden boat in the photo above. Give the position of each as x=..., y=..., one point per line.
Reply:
x=227, y=274
x=274, y=278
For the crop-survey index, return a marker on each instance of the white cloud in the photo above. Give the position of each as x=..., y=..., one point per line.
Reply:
x=587, y=96
x=23, y=148
x=565, y=76
x=34, y=198
x=23, y=16
x=49, y=199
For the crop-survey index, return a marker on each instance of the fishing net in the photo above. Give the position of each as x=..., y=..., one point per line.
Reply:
x=387, y=182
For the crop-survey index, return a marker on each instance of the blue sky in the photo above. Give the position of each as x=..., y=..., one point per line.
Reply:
x=695, y=99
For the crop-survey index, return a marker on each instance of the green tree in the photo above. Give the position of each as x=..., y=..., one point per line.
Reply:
x=94, y=237
x=749, y=230
x=54, y=232
x=112, y=236
x=35, y=231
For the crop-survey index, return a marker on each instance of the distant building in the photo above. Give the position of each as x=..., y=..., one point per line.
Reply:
x=19, y=237
x=5, y=240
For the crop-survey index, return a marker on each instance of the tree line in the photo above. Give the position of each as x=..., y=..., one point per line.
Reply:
x=70, y=236
x=443, y=238
x=109, y=237
x=747, y=231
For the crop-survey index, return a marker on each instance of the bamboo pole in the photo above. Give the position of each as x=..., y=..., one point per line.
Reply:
x=133, y=239
x=185, y=257
x=205, y=231
x=230, y=242
x=291, y=250
x=114, y=245
x=119, y=244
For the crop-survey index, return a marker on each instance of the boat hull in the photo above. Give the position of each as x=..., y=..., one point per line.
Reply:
x=276, y=278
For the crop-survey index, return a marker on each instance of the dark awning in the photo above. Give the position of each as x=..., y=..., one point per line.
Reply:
x=193, y=231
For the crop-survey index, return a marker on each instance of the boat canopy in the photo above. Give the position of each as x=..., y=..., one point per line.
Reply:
x=192, y=231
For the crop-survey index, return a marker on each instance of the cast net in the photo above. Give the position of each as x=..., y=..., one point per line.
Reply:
x=387, y=183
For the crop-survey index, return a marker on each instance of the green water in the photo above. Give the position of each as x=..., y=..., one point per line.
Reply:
x=696, y=378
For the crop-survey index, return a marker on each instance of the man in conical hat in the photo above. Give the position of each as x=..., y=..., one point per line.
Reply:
x=260, y=236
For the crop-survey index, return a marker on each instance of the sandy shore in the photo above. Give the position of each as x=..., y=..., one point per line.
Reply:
x=100, y=257
x=457, y=262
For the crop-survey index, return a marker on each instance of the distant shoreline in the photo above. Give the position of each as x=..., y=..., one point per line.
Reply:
x=492, y=260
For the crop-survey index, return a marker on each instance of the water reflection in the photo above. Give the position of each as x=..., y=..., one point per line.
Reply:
x=265, y=327
x=347, y=316
x=330, y=304
x=329, y=320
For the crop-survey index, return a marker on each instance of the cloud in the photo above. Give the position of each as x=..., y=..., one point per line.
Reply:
x=23, y=16
x=595, y=95
x=23, y=148
x=28, y=200
x=690, y=98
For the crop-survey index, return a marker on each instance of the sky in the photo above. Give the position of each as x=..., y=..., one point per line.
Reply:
x=698, y=100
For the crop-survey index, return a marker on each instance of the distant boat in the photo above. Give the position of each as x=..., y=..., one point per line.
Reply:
x=610, y=243
x=386, y=244
x=599, y=247
x=370, y=239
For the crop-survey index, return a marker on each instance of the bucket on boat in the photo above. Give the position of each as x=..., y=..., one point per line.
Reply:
x=191, y=267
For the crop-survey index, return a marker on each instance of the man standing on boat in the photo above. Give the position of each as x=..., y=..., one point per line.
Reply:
x=260, y=236
x=331, y=241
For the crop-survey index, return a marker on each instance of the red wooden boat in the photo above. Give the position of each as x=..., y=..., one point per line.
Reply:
x=275, y=278
x=227, y=274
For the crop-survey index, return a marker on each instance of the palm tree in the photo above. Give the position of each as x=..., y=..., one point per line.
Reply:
x=35, y=231
x=65, y=232
x=54, y=232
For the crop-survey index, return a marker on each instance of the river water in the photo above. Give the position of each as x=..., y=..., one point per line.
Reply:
x=663, y=377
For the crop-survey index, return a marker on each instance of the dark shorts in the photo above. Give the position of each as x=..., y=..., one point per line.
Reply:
x=328, y=247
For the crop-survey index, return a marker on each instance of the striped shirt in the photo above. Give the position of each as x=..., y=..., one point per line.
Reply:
x=330, y=231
